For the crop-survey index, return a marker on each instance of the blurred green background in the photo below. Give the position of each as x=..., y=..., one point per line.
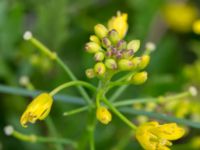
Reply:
x=64, y=26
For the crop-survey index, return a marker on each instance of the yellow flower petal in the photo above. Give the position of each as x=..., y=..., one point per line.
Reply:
x=153, y=136
x=169, y=131
x=39, y=108
x=119, y=23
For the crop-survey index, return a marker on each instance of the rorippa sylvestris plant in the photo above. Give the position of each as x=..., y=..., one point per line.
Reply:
x=112, y=55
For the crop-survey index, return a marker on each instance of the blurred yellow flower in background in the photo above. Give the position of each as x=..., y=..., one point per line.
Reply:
x=153, y=136
x=180, y=16
x=39, y=108
x=196, y=27
x=119, y=23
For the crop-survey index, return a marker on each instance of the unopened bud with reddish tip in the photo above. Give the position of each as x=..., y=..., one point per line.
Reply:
x=125, y=64
x=111, y=64
x=113, y=36
x=109, y=53
x=139, y=78
x=121, y=45
x=128, y=53
x=92, y=47
x=99, y=56
x=106, y=42
x=90, y=73
x=100, y=30
x=99, y=68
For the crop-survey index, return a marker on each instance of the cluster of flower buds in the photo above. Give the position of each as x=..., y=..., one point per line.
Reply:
x=113, y=54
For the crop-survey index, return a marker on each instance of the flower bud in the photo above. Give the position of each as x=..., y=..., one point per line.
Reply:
x=125, y=64
x=100, y=30
x=136, y=61
x=150, y=47
x=113, y=36
x=92, y=47
x=111, y=64
x=134, y=44
x=99, y=56
x=103, y=115
x=119, y=23
x=144, y=61
x=118, y=55
x=99, y=68
x=90, y=73
x=94, y=38
x=106, y=42
x=127, y=53
x=121, y=45
x=139, y=78
x=109, y=53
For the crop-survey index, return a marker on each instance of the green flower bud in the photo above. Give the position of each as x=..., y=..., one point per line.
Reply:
x=121, y=45
x=139, y=78
x=95, y=39
x=99, y=68
x=106, y=42
x=111, y=64
x=90, y=73
x=92, y=47
x=144, y=61
x=127, y=53
x=114, y=36
x=125, y=64
x=99, y=56
x=134, y=44
x=100, y=30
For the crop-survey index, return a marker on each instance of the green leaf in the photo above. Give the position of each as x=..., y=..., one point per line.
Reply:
x=23, y=92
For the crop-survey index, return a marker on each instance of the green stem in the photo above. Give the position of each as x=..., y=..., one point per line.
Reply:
x=53, y=131
x=121, y=89
x=91, y=128
x=53, y=56
x=43, y=48
x=146, y=100
x=34, y=139
x=119, y=114
x=76, y=111
x=117, y=93
x=72, y=83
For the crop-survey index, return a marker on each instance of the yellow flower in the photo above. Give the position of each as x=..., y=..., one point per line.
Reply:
x=119, y=23
x=153, y=136
x=172, y=13
x=196, y=27
x=39, y=108
x=103, y=115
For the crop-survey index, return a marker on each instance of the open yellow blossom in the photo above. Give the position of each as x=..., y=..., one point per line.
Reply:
x=180, y=16
x=119, y=23
x=103, y=115
x=153, y=136
x=39, y=108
